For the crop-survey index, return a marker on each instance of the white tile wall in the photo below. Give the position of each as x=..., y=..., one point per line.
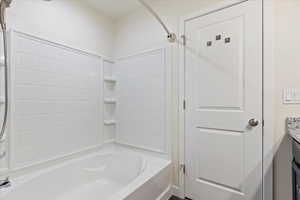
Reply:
x=56, y=100
x=142, y=94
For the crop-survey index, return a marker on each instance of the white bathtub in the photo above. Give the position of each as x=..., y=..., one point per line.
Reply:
x=106, y=175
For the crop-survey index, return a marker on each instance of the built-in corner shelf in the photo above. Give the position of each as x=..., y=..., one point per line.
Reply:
x=110, y=122
x=110, y=79
x=110, y=101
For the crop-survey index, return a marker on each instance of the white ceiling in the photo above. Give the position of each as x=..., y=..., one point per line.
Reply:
x=114, y=8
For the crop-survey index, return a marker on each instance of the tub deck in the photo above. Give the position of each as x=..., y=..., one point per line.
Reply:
x=109, y=174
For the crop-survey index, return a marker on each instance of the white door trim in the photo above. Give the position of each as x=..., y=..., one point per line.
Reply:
x=268, y=93
x=268, y=99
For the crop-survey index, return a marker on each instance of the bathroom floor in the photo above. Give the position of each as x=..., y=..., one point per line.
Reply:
x=175, y=198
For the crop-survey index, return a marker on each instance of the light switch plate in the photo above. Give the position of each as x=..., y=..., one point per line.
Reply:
x=291, y=96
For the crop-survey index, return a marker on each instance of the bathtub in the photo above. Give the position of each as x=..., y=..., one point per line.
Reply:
x=105, y=175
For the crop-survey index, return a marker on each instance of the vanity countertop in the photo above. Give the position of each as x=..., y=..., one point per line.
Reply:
x=293, y=128
x=295, y=135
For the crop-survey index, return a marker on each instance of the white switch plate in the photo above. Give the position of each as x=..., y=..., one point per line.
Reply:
x=291, y=96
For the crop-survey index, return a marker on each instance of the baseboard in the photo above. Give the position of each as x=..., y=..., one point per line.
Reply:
x=177, y=191
x=166, y=195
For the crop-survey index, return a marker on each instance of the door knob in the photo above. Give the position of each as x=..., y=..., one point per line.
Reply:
x=253, y=122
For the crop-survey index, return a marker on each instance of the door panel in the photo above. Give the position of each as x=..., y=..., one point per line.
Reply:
x=215, y=169
x=225, y=62
x=223, y=69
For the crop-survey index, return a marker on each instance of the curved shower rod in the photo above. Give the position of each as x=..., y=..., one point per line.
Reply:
x=3, y=5
x=171, y=36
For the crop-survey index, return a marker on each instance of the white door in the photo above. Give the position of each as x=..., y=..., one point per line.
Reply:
x=223, y=89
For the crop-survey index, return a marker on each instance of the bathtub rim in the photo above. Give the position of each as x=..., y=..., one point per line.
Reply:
x=106, y=147
x=152, y=165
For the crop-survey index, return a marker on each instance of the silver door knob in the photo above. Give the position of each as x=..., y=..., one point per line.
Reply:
x=253, y=122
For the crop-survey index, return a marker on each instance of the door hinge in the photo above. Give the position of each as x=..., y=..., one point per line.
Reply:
x=263, y=123
x=184, y=104
x=182, y=168
x=183, y=39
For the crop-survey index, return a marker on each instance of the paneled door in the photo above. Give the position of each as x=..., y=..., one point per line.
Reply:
x=223, y=91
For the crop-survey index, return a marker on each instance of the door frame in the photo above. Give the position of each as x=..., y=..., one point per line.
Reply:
x=267, y=100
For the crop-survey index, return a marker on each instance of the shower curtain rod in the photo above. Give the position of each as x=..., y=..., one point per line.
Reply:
x=171, y=36
x=3, y=5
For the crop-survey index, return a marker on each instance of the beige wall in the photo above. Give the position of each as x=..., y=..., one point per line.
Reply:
x=287, y=66
x=139, y=30
x=68, y=22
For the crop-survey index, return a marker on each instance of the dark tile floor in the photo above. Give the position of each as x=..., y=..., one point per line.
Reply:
x=175, y=198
